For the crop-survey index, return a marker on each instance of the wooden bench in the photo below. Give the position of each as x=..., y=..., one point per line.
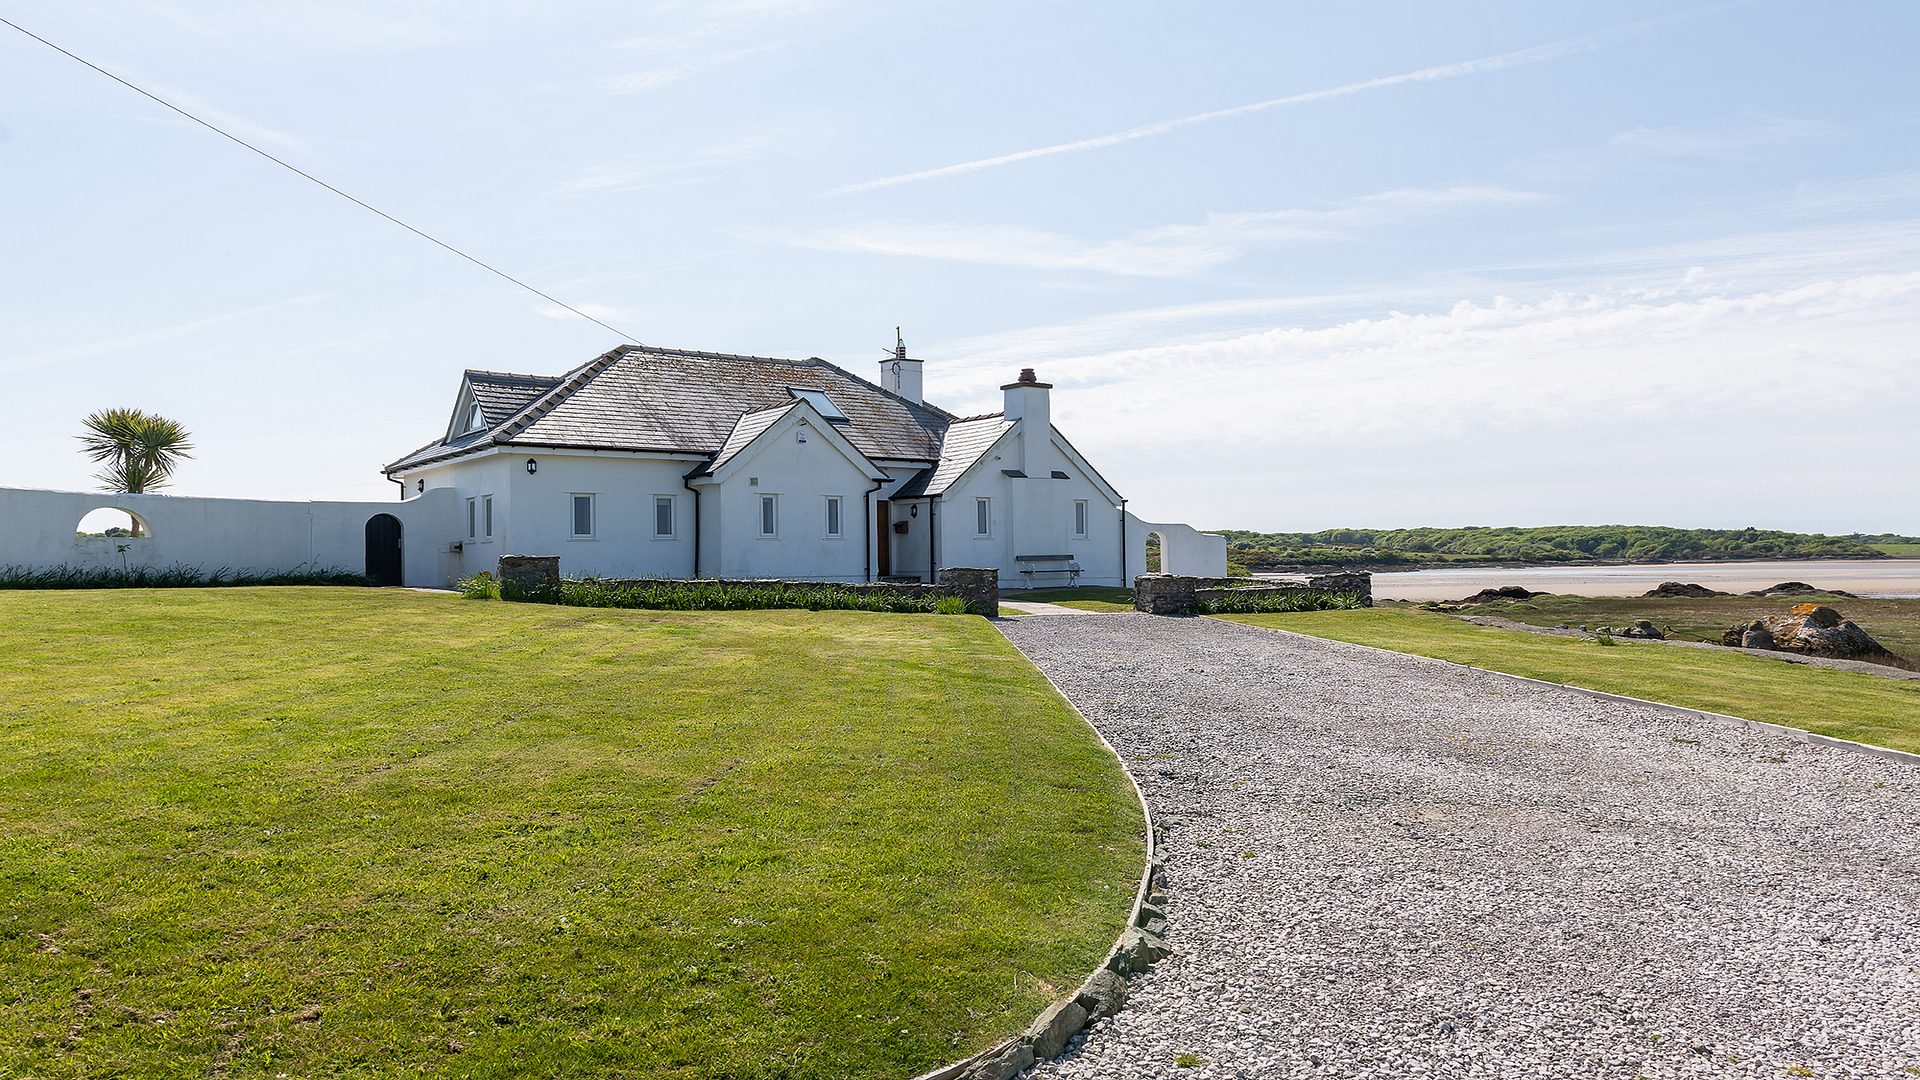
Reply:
x=1030, y=571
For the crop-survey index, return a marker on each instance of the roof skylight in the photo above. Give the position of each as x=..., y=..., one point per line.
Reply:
x=820, y=401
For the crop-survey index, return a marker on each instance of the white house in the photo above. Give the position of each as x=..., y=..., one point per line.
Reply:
x=649, y=462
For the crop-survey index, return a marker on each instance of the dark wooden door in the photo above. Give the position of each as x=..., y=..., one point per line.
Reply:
x=383, y=549
x=883, y=536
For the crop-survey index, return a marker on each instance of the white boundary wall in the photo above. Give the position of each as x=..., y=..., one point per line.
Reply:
x=1183, y=550
x=243, y=536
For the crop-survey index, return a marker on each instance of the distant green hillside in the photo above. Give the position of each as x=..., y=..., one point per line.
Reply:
x=1544, y=544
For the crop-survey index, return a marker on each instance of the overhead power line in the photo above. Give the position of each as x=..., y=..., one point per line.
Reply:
x=363, y=204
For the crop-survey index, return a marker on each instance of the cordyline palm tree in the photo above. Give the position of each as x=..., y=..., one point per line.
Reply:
x=139, y=450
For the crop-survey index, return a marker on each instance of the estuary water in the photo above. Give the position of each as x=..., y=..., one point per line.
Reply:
x=1867, y=577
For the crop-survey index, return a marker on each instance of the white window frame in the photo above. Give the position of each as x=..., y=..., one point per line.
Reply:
x=471, y=533
x=982, y=515
x=486, y=517
x=836, y=518
x=573, y=515
x=476, y=418
x=769, y=500
x=1082, y=518
x=673, y=517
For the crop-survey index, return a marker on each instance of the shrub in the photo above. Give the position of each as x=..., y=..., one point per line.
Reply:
x=178, y=576
x=707, y=595
x=1255, y=601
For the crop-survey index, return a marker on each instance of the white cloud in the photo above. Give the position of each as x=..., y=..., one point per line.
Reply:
x=1535, y=54
x=122, y=343
x=662, y=170
x=1732, y=141
x=1164, y=251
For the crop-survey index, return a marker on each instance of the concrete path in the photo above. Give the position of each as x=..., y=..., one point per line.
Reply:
x=1041, y=607
x=1389, y=866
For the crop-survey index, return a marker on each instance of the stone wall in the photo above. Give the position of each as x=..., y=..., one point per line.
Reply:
x=1172, y=594
x=1164, y=594
x=530, y=575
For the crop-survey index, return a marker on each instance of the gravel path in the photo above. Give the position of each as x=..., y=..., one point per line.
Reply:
x=1386, y=866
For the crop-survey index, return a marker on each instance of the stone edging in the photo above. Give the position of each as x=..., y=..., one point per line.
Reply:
x=1800, y=734
x=1105, y=991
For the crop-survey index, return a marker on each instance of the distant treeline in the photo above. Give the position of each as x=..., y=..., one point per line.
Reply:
x=1545, y=544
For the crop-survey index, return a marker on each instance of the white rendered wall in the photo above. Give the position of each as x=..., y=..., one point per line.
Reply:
x=243, y=536
x=801, y=476
x=1184, y=550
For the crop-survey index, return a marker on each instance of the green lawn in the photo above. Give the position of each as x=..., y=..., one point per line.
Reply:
x=1086, y=597
x=1905, y=551
x=1893, y=623
x=352, y=832
x=1865, y=708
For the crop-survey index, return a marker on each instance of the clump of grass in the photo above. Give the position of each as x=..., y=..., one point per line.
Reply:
x=709, y=595
x=481, y=586
x=1604, y=637
x=1260, y=601
x=1189, y=1061
x=177, y=576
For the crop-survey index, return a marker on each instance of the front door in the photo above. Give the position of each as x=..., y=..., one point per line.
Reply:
x=883, y=537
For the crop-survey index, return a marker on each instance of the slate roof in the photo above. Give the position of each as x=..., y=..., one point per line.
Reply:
x=646, y=398
x=749, y=428
x=502, y=394
x=967, y=441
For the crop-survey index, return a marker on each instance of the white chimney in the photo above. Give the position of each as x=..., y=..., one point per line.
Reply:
x=1027, y=402
x=899, y=372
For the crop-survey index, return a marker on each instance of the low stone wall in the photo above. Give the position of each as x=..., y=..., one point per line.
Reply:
x=1171, y=594
x=535, y=575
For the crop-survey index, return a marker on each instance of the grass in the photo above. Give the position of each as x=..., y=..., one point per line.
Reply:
x=1893, y=623
x=347, y=832
x=1085, y=597
x=1905, y=551
x=1865, y=708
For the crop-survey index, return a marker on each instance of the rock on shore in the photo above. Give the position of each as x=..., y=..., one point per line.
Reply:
x=1812, y=630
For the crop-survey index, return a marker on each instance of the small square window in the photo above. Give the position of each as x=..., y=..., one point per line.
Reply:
x=769, y=515
x=486, y=516
x=1080, y=519
x=983, y=517
x=833, y=516
x=663, y=516
x=583, y=516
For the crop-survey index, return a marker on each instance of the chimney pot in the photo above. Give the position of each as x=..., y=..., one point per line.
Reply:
x=1026, y=375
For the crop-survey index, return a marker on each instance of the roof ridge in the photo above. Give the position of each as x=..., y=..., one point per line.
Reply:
x=470, y=372
x=980, y=416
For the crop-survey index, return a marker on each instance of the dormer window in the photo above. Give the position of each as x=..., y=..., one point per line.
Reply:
x=476, y=419
x=821, y=403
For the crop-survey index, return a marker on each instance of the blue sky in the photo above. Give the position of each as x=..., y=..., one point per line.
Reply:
x=1290, y=266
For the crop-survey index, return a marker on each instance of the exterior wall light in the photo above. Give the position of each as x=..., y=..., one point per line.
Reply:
x=532, y=466
x=913, y=509
x=420, y=484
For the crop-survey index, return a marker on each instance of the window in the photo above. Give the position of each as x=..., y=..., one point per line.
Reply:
x=1080, y=519
x=583, y=517
x=470, y=531
x=476, y=419
x=833, y=517
x=769, y=515
x=663, y=517
x=486, y=516
x=983, y=517
x=820, y=401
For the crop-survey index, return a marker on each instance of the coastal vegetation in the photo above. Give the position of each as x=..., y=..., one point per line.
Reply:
x=1415, y=548
x=1843, y=704
x=1894, y=623
x=356, y=832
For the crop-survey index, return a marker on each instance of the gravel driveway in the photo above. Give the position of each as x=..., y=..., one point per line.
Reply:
x=1388, y=866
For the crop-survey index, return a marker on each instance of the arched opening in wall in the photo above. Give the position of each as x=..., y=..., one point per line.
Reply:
x=383, y=549
x=113, y=521
x=1156, y=553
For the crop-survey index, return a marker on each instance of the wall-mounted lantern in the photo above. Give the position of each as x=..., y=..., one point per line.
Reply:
x=532, y=466
x=420, y=484
x=913, y=509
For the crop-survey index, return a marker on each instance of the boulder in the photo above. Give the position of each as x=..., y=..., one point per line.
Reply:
x=1798, y=588
x=1641, y=629
x=1508, y=592
x=1679, y=589
x=1813, y=630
